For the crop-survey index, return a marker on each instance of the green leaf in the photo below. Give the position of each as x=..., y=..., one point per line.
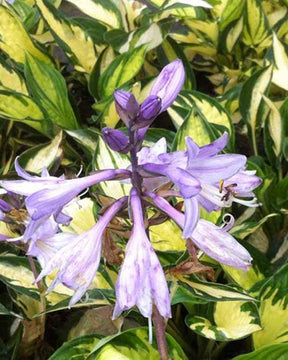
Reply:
x=207, y=119
x=280, y=68
x=256, y=27
x=49, y=89
x=208, y=291
x=231, y=320
x=167, y=237
x=87, y=138
x=34, y=159
x=20, y=107
x=271, y=352
x=273, y=310
x=133, y=345
x=15, y=40
x=273, y=133
x=105, y=158
x=232, y=11
x=10, y=79
x=251, y=101
x=104, y=11
x=78, y=348
x=248, y=227
x=121, y=70
x=76, y=43
x=4, y=310
x=173, y=51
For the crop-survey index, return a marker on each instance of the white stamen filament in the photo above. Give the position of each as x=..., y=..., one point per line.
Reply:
x=150, y=330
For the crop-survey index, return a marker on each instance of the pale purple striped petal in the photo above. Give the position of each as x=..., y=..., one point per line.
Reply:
x=169, y=83
x=78, y=260
x=220, y=167
x=220, y=245
x=141, y=278
x=50, y=200
x=215, y=147
x=192, y=214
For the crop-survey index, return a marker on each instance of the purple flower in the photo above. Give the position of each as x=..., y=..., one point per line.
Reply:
x=214, y=180
x=164, y=91
x=126, y=105
x=48, y=195
x=169, y=83
x=141, y=280
x=116, y=140
x=76, y=256
x=209, y=238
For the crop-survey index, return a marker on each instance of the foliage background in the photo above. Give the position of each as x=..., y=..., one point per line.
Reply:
x=59, y=65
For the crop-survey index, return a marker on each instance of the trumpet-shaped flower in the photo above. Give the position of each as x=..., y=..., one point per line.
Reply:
x=78, y=259
x=48, y=195
x=141, y=280
x=214, y=180
x=211, y=239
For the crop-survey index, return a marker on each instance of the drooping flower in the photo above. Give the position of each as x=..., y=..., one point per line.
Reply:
x=214, y=241
x=141, y=280
x=77, y=257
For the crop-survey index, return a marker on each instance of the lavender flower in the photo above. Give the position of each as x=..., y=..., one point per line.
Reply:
x=200, y=176
x=209, y=238
x=163, y=92
x=141, y=280
x=214, y=180
x=48, y=195
x=79, y=257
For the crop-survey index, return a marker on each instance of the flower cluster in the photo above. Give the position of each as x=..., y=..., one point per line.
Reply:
x=200, y=176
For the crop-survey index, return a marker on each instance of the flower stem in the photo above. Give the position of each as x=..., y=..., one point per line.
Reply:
x=41, y=290
x=136, y=178
x=160, y=334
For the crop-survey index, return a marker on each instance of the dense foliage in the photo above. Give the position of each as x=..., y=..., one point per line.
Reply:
x=60, y=63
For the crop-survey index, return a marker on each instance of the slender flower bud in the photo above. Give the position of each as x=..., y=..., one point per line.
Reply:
x=149, y=109
x=169, y=83
x=116, y=140
x=126, y=105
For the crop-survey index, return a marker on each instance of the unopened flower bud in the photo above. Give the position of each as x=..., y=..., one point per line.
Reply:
x=150, y=107
x=126, y=105
x=116, y=140
x=169, y=83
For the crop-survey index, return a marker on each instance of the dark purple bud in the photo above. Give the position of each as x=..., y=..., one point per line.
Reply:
x=150, y=108
x=116, y=140
x=126, y=105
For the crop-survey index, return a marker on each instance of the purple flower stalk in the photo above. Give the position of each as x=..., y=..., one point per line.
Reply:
x=199, y=175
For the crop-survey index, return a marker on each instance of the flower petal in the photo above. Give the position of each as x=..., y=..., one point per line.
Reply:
x=220, y=245
x=192, y=214
x=51, y=200
x=169, y=83
x=116, y=140
x=215, y=147
x=217, y=168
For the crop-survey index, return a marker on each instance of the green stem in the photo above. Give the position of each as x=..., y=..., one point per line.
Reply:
x=254, y=143
x=173, y=331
